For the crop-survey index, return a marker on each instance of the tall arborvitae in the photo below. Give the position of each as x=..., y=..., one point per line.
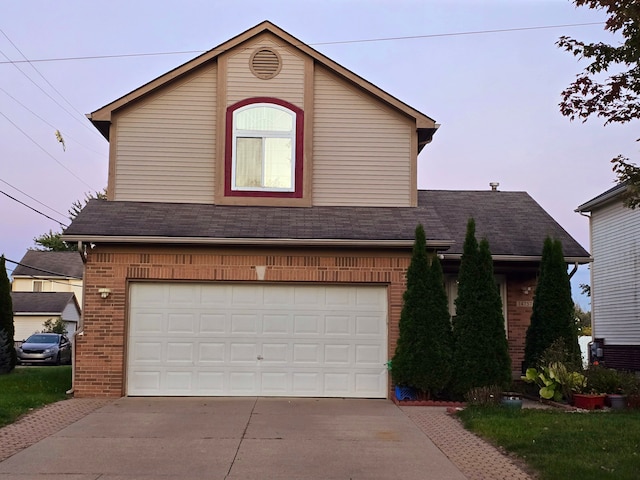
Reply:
x=406, y=363
x=552, y=317
x=434, y=344
x=494, y=347
x=480, y=347
x=6, y=320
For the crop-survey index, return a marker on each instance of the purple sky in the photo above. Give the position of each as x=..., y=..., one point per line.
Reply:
x=495, y=94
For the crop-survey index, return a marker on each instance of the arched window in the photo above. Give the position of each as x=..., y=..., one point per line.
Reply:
x=265, y=137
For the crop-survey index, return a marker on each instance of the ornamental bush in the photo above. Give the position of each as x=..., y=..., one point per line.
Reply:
x=481, y=352
x=424, y=350
x=552, y=318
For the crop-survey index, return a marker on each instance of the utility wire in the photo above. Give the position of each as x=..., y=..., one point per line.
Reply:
x=31, y=208
x=57, y=274
x=32, y=198
x=66, y=135
x=340, y=42
x=45, y=151
x=45, y=92
x=40, y=73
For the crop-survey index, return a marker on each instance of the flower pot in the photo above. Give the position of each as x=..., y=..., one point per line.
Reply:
x=617, y=402
x=588, y=401
x=511, y=400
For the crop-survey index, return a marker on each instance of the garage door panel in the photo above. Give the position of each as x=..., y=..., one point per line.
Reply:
x=338, y=325
x=244, y=324
x=280, y=340
x=243, y=352
x=276, y=324
x=148, y=323
x=211, y=352
x=212, y=323
x=182, y=323
x=178, y=352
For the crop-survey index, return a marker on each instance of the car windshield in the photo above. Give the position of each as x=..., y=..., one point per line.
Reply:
x=42, y=339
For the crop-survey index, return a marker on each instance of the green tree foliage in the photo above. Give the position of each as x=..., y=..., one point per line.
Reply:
x=54, y=326
x=583, y=320
x=405, y=362
x=481, y=354
x=52, y=241
x=424, y=351
x=6, y=321
x=615, y=98
x=435, y=337
x=553, y=310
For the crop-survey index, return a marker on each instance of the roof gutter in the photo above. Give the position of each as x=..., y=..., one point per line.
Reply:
x=292, y=242
x=521, y=258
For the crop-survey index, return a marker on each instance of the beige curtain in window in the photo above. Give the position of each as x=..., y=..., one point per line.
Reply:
x=248, y=162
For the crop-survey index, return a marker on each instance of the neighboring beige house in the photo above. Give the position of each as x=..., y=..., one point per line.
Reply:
x=46, y=285
x=32, y=309
x=44, y=271
x=262, y=203
x=615, y=278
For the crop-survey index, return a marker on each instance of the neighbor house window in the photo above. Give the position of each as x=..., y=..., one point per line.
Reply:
x=38, y=286
x=264, y=149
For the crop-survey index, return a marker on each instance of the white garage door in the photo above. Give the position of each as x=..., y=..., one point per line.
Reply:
x=262, y=340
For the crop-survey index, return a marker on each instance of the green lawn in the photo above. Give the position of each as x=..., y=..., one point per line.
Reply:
x=560, y=444
x=27, y=388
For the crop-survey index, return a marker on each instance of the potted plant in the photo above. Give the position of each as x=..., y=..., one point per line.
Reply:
x=592, y=394
x=556, y=381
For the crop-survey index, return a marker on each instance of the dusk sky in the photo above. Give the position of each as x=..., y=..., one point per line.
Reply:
x=495, y=94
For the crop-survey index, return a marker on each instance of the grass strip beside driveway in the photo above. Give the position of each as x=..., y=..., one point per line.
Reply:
x=27, y=388
x=561, y=444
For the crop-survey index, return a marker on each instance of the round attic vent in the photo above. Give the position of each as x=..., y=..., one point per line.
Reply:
x=265, y=63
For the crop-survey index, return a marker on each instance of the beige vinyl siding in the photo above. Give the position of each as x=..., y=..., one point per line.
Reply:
x=165, y=147
x=615, y=246
x=361, y=149
x=288, y=85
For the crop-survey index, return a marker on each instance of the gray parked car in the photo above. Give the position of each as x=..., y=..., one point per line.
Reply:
x=50, y=348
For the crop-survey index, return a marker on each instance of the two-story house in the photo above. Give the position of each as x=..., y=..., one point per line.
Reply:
x=46, y=285
x=615, y=278
x=262, y=203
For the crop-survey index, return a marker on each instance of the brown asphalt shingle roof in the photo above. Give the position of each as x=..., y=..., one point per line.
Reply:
x=513, y=222
x=46, y=264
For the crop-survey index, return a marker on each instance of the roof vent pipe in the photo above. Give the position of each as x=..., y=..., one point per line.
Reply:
x=494, y=186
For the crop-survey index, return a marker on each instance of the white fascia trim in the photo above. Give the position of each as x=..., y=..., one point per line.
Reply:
x=330, y=242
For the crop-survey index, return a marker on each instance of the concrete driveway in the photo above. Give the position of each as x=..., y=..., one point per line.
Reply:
x=236, y=438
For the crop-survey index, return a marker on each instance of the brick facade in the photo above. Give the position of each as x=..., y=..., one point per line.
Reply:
x=101, y=348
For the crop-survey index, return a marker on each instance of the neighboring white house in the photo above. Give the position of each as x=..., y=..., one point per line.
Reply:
x=615, y=278
x=46, y=285
x=32, y=309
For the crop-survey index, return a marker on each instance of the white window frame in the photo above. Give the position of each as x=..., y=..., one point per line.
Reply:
x=39, y=287
x=264, y=134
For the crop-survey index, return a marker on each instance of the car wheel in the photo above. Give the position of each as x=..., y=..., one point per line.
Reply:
x=58, y=360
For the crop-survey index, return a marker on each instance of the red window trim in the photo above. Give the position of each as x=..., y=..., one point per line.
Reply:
x=228, y=155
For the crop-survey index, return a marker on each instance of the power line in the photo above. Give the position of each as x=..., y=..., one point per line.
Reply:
x=458, y=34
x=44, y=150
x=43, y=120
x=44, y=91
x=339, y=42
x=31, y=208
x=40, y=73
x=32, y=198
x=57, y=274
